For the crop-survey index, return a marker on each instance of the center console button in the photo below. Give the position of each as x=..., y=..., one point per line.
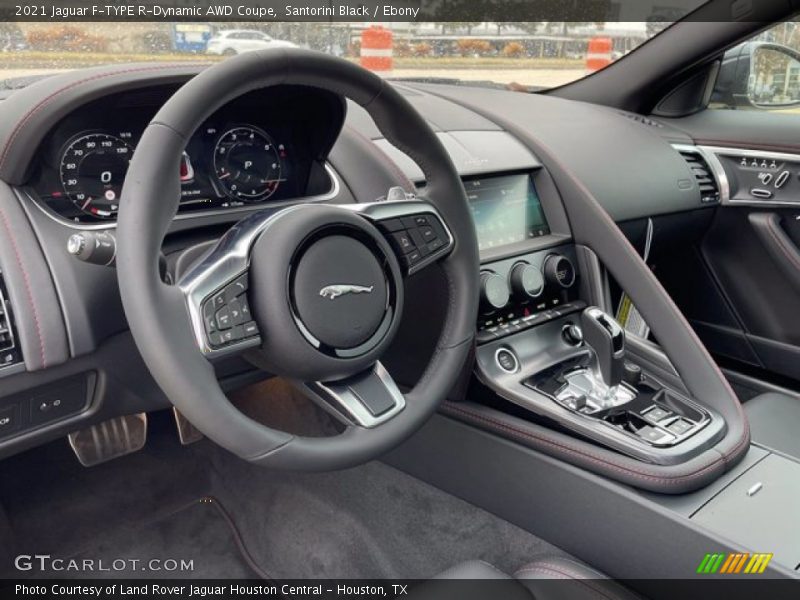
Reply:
x=631, y=373
x=8, y=420
x=680, y=426
x=656, y=414
x=656, y=436
x=526, y=281
x=572, y=334
x=507, y=360
x=494, y=291
x=559, y=271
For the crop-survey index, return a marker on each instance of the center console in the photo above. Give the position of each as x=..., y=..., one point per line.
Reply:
x=541, y=347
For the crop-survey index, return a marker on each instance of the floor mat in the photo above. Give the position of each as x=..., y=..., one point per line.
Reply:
x=196, y=541
x=372, y=521
x=54, y=505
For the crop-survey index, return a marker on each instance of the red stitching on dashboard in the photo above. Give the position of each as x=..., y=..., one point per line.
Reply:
x=53, y=95
x=34, y=311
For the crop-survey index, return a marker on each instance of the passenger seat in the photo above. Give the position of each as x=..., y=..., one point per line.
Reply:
x=546, y=578
x=775, y=422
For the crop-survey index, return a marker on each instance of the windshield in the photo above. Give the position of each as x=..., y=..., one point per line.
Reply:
x=531, y=55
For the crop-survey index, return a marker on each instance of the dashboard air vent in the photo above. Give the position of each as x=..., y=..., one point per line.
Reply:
x=9, y=347
x=709, y=189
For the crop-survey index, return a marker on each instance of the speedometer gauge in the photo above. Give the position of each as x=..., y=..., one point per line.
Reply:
x=247, y=164
x=93, y=167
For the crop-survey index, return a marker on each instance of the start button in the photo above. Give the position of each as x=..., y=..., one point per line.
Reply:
x=507, y=360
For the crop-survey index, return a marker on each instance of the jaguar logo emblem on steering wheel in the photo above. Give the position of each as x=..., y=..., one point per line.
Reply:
x=334, y=291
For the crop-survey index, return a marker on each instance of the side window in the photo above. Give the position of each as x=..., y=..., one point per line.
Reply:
x=762, y=73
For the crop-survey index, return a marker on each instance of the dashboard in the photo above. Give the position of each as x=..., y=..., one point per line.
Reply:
x=65, y=145
x=247, y=153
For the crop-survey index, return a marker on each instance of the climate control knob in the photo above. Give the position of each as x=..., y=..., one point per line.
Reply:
x=559, y=271
x=526, y=281
x=494, y=291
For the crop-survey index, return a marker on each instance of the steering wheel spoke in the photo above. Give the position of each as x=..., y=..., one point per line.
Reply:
x=367, y=399
x=414, y=228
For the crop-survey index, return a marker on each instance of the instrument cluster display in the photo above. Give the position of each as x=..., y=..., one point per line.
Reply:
x=243, y=155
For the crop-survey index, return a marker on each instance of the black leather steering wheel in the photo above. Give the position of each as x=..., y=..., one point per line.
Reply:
x=321, y=285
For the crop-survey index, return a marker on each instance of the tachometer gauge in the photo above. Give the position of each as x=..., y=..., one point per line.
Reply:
x=93, y=167
x=247, y=164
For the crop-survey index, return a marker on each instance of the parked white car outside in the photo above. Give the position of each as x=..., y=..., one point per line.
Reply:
x=236, y=41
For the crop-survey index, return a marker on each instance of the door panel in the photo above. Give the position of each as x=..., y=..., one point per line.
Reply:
x=746, y=306
x=754, y=279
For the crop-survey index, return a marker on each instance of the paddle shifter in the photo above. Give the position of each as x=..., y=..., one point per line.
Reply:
x=605, y=336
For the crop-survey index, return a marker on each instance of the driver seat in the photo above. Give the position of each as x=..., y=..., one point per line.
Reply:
x=546, y=578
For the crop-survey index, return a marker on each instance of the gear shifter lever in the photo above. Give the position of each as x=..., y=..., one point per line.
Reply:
x=607, y=338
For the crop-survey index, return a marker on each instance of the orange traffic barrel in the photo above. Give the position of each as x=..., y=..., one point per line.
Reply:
x=598, y=54
x=376, y=49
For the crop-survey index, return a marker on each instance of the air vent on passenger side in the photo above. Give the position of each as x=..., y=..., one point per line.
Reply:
x=10, y=353
x=709, y=189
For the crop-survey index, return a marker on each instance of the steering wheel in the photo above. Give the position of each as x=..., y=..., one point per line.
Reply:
x=310, y=292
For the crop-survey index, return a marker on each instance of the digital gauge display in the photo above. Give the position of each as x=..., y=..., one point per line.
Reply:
x=92, y=169
x=247, y=163
x=506, y=210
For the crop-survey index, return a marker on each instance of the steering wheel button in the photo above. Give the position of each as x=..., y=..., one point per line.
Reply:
x=250, y=329
x=224, y=319
x=228, y=336
x=215, y=339
x=428, y=234
x=245, y=307
x=392, y=225
x=237, y=316
x=435, y=245
x=237, y=288
x=403, y=241
x=415, y=221
x=413, y=257
x=210, y=323
x=218, y=301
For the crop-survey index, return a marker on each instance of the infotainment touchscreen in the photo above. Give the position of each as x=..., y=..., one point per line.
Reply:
x=506, y=210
